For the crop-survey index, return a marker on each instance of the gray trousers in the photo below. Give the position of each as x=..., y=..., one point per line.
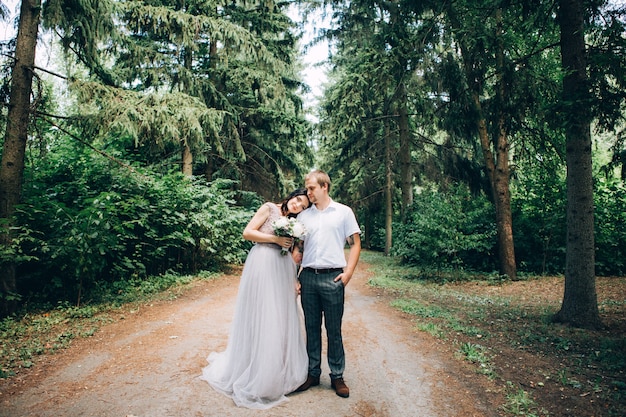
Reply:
x=321, y=296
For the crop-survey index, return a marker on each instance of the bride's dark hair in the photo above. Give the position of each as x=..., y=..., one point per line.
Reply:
x=283, y=207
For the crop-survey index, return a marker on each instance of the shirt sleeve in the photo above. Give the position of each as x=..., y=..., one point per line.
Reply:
x=351, y=226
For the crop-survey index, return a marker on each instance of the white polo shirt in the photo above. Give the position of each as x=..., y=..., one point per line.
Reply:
x=327, y=231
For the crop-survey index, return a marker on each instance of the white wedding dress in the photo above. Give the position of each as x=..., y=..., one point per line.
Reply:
x=266, y=354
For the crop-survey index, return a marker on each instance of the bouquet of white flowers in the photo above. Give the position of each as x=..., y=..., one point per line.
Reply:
x=289, y=227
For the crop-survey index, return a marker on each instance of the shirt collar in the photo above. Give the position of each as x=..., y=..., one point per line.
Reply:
x=331, y=205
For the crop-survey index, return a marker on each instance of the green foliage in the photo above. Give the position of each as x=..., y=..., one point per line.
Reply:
x=219, y=79
x=417, y=309
x=152, y=120
x=444, y=53
x=520, y=403
x=474, y=353
x=86, y=223
x=610, y=233
x=432, y=329
x=452, y=229
x=539, y=208
x=147, y=80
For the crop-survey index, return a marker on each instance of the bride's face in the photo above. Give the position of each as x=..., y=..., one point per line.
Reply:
x=297, y=204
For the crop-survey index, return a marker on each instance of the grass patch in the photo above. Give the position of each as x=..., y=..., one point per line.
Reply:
x=520, y=403
x=415, y=308
x=477, y=355
x=432, y=329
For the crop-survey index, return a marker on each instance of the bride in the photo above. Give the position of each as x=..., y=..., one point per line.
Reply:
x=266, y=354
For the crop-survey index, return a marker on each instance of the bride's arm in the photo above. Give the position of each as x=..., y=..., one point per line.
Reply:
x=253, y=234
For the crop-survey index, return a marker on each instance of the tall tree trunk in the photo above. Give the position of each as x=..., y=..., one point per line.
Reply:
x=13, y=153
x=388, y=191
x=580, y=304
x=210, y=165
x=406, y=171
x=497, y=167
x=404, y=136
x=496, y=155
x=187, y=160
x=502, y=191
x=186, y=154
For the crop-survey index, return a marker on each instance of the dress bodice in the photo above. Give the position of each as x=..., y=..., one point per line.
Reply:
x=267, y=227
x=274, y=214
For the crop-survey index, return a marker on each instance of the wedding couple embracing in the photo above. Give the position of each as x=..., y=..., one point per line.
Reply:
x=267, y=358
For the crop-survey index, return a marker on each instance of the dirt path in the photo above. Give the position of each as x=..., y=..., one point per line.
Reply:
x=147, y=363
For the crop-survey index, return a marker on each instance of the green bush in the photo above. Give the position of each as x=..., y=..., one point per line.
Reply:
x=86, y=222
x=610, y=233
x=539, y=208
x=539, y=204
x=451, y=230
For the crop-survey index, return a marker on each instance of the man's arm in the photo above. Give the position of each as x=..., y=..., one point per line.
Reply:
x=354, y=241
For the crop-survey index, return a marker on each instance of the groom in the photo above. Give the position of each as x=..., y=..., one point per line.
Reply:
x=324, y=277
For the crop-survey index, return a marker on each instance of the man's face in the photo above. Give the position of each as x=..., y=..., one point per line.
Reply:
x=313, y=190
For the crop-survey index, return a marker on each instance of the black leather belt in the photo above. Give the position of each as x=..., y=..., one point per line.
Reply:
x=323, y=270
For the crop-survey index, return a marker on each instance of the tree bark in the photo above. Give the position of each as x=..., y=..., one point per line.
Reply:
x=580, y=304
x=187, y=160
x=388, y=192
x=501, y=182
x=406, y=171
x=209, y=167
x=16, y=135
x=404, y=135
x=495, y=152
x=497, y=167
x=186, y=154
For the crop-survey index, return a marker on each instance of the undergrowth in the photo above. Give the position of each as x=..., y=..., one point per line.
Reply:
x=39, y=330
x=511, y=340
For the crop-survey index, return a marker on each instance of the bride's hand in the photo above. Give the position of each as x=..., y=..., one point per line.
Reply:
x=284, y=242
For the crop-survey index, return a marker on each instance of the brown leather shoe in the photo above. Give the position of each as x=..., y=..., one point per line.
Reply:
x=311, y=381
x=340, y=387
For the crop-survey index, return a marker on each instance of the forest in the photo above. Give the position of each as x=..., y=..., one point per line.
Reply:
x=139, y=137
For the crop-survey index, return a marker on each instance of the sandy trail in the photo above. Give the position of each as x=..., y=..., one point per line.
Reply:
x=147, y=363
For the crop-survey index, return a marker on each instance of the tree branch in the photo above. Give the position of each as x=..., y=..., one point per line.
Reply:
x=51, y=73
x=106, y=155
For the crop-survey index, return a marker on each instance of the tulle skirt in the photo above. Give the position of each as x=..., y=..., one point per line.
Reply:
x=266, y=354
